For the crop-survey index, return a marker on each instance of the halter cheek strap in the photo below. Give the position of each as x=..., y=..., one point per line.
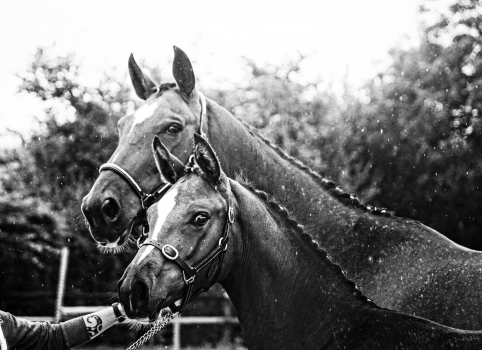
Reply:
x=203, y=114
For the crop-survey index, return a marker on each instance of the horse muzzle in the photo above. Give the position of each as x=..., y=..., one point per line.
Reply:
x=147, y=288
x=109, y=221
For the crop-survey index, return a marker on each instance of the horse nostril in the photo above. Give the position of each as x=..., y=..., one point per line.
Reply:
x=110, y=209
x=141, y=292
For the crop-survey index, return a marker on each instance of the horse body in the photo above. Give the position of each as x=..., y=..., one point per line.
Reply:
x=286, y=291
x=399, y=263
x=293, y=297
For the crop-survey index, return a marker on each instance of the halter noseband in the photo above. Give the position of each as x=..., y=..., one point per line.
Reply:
x=189, y=273
x=147, y=199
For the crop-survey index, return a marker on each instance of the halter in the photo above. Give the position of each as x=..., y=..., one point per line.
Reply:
x=147, y=199
x=189, y=273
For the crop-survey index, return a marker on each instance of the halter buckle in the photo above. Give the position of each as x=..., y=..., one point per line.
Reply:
x=146, y=200
x=189, y=280
x=166, y=254
x=223, y=243
x=139, y=244
x=143, y=235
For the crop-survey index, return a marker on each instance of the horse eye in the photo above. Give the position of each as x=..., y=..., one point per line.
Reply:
x=200, y=219
x=173, y=129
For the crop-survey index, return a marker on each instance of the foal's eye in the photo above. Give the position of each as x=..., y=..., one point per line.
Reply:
x=200, y=219
x=173, y=129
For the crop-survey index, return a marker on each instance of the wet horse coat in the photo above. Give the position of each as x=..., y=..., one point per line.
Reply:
x=286, y=291
x=399, y=263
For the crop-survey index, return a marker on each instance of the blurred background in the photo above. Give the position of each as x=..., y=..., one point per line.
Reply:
x=383, y=97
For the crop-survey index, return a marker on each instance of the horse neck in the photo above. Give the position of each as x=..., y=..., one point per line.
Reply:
x=243, y=151
x=282, y=282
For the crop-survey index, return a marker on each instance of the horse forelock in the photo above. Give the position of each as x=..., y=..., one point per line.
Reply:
x=165, y=87
x=293, y=225
x=193, y=167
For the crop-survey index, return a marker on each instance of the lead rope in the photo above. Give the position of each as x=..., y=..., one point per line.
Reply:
x=156, y=327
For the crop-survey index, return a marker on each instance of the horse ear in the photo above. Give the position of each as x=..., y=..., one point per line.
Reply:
x=206, y=159
x=183, y=72
x=168, y=165
x=143, y=85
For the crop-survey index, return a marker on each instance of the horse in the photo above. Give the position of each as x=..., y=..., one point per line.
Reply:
x=400, y=263
x=287, y=292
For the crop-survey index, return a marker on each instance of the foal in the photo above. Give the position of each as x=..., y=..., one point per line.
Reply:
x=287, y=293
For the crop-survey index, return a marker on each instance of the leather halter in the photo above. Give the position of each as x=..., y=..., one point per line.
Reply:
x=147, y=199
x=189, y=273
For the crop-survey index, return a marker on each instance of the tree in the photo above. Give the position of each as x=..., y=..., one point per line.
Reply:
x=296, y=116
x=419, y=138
x=54, y=170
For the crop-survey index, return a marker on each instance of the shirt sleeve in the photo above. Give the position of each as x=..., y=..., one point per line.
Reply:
x=22, y=334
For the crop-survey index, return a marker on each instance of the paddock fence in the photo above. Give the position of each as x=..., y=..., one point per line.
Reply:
x=63, y=312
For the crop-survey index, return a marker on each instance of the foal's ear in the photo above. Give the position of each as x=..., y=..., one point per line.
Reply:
x=206, y=159
x=168, y=165
x=182, y=71
x=143, y=85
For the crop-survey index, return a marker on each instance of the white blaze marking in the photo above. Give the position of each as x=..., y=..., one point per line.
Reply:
x=115, y=157
x=164, y=207
x=143, y=113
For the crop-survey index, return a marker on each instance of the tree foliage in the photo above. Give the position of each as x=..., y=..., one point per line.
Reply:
x=55, y=169
x=420, y=134
x=300, y=118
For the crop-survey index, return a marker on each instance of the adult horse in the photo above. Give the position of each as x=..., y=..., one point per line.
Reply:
x=400, y=264
x=286, y=291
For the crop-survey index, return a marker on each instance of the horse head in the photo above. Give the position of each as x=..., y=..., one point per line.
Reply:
x=186, y=250
x=173, y=113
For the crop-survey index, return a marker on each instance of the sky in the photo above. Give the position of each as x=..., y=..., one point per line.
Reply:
x=343, y=38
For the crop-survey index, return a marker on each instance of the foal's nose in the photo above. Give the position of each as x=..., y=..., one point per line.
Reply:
x=134, y=296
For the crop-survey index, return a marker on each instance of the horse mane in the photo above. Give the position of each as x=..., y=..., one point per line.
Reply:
x=335, y=191
x=291, y=223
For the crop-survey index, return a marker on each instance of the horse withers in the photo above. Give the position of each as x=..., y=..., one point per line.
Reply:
x=287, y=293
x=401, y=264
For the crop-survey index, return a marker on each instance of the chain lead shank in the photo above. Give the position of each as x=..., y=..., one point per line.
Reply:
x=156, y=327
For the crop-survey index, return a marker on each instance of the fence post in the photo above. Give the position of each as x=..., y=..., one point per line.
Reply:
x=64, y=261
x=176, y=329
x=227, y=313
